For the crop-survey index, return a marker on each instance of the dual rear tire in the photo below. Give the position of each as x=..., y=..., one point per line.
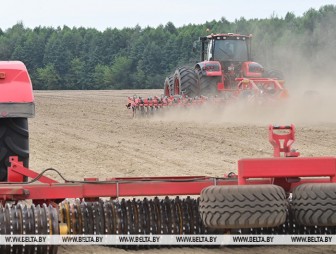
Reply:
x=186, y=82
x=247, y=206
x=264, y=206
x=315, y=204
x=190, y=82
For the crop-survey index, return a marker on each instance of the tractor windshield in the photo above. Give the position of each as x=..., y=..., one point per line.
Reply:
x=230, y=50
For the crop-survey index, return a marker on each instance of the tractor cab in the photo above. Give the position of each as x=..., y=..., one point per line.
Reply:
x=226, y=48
x=233, y=52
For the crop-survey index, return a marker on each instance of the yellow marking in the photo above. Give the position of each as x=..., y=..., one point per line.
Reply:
x=63, y=229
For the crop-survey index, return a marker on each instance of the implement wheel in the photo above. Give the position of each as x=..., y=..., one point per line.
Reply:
x=246, y=206
x=315, y=204
x=186, y=82
x=13, y=142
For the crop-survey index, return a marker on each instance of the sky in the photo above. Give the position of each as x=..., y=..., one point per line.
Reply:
x=102, y=14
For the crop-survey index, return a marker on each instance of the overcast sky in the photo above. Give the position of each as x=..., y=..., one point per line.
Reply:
x=102, y=14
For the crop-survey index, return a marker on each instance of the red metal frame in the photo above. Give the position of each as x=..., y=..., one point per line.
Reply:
x=288, y=170
x=177, y=86
x=260, y=86
x=282, y=142
x=283, y=171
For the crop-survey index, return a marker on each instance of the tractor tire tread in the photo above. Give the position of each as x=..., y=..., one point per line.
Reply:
x=13, y=142
x=315, y=204
x=187, y=78
x=243, y=206
x=208, y=85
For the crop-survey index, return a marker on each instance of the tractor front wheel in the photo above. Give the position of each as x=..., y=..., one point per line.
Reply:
x=208, y=85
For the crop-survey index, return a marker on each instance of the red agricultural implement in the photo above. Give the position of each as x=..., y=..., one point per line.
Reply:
x=281, y=195
x=149, y=106
x=261, y=91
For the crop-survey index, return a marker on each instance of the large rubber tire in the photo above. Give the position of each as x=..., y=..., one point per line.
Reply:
x=246, y=206
x=314, y=204
x=186, y=82
x=14, y=140
x=168, y=87
x=208, y=85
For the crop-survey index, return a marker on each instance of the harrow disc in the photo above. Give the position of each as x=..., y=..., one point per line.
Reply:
x=87, y=218
x=147, y=216
x=23, y=219
x=136, y=217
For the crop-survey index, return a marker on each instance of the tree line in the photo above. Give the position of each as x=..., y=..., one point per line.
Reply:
x=136, y=58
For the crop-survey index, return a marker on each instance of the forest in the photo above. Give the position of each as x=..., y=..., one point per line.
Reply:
x=140, y=58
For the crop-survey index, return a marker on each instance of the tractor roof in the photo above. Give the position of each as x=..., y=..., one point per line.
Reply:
x=228, y=36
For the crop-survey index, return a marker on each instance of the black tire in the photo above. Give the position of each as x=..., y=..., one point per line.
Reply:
x=315, y=204
x=272, y=73
x=168, y=87
x=186, y=82
x=14, y=141
x=208, y=85
x=246, y=206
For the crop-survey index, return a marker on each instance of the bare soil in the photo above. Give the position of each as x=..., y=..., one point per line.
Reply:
x=92, y=134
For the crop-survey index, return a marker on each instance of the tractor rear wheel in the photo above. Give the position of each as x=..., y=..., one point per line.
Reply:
x=185, y=82
x=168, y=87
x=208, y=85
x=13, y=142
x=246, y=206
x=315, y=204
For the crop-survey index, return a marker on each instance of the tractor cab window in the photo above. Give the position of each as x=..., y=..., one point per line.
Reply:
x=209, y=51
x=230, y=50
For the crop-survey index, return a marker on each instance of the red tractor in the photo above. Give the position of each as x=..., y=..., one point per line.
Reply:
x=226, y=68
x=16, y=105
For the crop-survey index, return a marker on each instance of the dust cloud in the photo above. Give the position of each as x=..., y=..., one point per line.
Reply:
x=305, y=106
x=308, y=69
